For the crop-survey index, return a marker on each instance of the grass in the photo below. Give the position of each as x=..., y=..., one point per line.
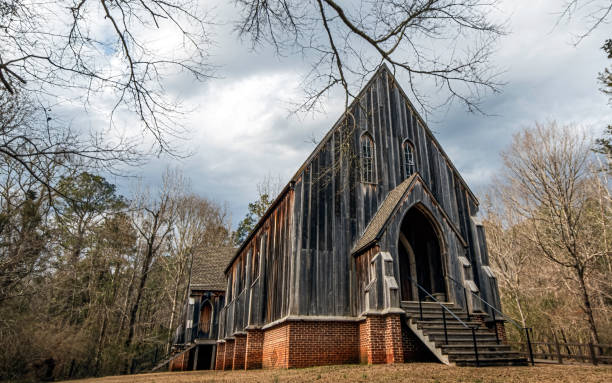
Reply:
x=409, y=372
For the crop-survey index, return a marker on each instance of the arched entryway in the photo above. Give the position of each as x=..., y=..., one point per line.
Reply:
x=420, y=256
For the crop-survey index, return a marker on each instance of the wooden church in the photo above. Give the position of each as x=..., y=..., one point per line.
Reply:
x=371, y=254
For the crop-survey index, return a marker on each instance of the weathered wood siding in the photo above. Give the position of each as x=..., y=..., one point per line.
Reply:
x=258, y=277
x=362, y=276
x=217, y=301
x=304, y=244
x=333, y=207
x=452, y=243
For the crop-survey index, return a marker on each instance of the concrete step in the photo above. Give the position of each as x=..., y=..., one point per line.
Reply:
x=453, y=339
x=449, y=321
x=435, y=309
x=482, y=353
x=469, y=346
x=459, y=349
x=425, y=304
x=458, y=332
x=450, y=325
x=501, y=361
x=436, y=316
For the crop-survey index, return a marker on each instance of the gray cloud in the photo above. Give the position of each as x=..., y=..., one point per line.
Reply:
x=240, y=130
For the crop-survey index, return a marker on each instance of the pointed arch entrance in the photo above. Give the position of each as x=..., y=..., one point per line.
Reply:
x=420, y=256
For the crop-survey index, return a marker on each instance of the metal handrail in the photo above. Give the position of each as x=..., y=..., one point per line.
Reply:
x=504, y=317
x=444, y=309
x=438, y=302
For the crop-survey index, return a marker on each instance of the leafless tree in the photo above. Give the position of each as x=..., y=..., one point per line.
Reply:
x=549, y=183
x=98, y=52
x=594, y=12
x=153, y=218
x=32, y=140
x=510, y=254
x=200, y=223
x=24, y=233
x=449, y=42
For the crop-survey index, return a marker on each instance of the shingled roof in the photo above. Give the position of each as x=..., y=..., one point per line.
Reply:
x=380, y=219
x=208, y=266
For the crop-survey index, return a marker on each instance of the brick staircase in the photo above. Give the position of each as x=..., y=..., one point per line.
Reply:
x=459, y=349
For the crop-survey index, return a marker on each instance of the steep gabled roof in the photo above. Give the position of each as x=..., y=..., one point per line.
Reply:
x=207, y=272
x=383, y=68
x=379, y=222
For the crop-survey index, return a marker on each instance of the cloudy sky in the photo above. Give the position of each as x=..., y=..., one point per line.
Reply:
x=241, y=129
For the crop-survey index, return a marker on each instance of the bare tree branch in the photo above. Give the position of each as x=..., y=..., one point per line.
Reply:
x=446, y=42
x=104, y=51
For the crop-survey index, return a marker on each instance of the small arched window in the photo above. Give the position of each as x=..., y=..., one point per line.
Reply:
x=408, y=159
x=205, y=317
x=367, y=158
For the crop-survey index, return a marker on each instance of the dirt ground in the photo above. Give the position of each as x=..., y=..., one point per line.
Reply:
x=409, y=372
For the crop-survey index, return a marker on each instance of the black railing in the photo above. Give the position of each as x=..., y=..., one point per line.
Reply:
x=444, y=310
x=526, y=330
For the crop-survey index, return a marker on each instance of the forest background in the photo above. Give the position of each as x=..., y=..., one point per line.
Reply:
x=93, y=281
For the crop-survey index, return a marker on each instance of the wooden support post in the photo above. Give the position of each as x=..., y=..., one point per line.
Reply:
x=593, y=355
x=195, y=358
x=558, y=347
x=529, y=346
x=213, y=357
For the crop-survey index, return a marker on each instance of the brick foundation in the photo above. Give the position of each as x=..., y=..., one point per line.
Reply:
x=254, y=349
x=393, y=339
x=304, y=343
x=220, y=356
x=369, y=353
x=380, y=339
x=275, y=351
x=496, y=326
x=322, y=343
x=414, y=349
x=239, y=352
x=179, y=363
x=500, y=328
x=228, y=358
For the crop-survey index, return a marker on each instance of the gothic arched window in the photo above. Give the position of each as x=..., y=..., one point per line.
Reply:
x=205, y=317
x=367, y=158
x=408, y=158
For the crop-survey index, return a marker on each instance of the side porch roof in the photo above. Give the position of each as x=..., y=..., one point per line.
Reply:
x=379, y=222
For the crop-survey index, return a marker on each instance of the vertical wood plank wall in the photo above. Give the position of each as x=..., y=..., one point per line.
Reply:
x=306, y=264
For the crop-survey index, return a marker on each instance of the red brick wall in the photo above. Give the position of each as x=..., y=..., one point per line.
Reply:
x=495, y=327
x=393, y=339
x=501, y=331
x=275, y=347
x=239, y=352
x=377, y=339
x=254, y=349
x=220, y=356
x=414, y=349
x=316, y=343
x=380, y=339
x=180, y=362
x=369, y=352
x=228, y=359
x=310, y=343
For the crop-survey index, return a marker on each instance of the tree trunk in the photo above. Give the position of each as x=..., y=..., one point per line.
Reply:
x=586, y=301
x=173, y=312
x=100, y=344
x=134, y=310
x=126, y=302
